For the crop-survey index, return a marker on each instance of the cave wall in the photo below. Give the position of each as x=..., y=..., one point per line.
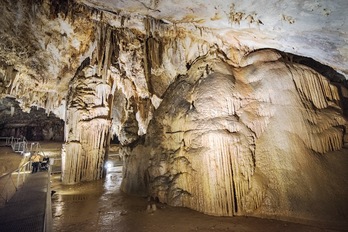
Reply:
x=35, y=125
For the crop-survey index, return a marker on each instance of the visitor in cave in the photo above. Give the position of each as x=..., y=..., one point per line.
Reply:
x=45, y=163
x=35, y=159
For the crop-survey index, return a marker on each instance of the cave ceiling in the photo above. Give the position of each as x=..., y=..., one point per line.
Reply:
x=45, y=42
x=316, y=29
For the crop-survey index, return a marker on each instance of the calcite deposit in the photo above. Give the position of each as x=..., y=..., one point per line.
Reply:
x=218, y=106
x=239, y=133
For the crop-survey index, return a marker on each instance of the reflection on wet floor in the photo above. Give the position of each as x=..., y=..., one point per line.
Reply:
x=87, y=206
x=101, y=206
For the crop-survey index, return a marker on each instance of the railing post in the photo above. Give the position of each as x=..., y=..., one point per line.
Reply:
x=25, y=172
x=28, y=168
x=18, y=173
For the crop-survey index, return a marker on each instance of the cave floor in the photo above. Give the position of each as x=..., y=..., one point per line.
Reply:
x=101, y=206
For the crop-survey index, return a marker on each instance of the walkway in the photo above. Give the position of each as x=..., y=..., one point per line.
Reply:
x=26, y=209
x=100, y=206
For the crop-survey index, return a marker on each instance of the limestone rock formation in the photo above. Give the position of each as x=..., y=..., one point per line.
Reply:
x=218, y=106
x=36, y=125
x=241, y=134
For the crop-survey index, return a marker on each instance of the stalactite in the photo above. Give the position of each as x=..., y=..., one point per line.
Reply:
x=315, y=88
x=317, y=91
x=108, y=51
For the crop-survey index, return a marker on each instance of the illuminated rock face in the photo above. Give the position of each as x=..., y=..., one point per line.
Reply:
x=205, y=119
x=87, y=127
x=230, y=141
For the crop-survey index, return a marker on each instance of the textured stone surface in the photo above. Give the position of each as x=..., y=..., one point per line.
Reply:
x=206, y=120
x=235, y=141
x=35, y=125
x=307, y=28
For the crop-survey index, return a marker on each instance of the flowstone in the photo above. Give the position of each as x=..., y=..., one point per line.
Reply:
x=240, y=140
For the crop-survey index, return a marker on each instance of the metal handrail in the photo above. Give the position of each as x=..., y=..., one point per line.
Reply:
x=17, y=144
x=48, y=223
x=7, y=179
x=8, y=140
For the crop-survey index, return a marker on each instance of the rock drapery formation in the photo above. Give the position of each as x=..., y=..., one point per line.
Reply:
x=222, y=127
x=207, y=116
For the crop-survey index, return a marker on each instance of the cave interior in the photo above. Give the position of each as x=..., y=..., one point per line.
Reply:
x=217, y=107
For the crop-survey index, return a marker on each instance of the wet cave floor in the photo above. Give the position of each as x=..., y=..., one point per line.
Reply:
x=101, y=206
